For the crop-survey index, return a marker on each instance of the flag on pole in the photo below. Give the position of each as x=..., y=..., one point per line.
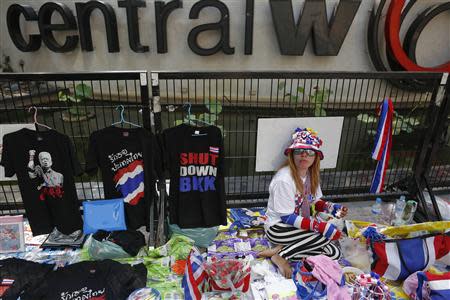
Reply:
x=383, y=144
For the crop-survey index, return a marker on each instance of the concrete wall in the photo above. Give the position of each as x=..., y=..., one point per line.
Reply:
x=433, y=47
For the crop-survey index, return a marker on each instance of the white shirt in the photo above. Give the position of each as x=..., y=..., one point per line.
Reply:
x=282, y=195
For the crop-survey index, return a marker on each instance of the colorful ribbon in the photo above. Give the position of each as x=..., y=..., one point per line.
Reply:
x=383, y=144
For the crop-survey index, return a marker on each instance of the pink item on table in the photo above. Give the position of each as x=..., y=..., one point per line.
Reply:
x=329, y=273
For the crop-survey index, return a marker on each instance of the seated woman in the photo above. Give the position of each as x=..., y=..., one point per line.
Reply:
x=294, y=201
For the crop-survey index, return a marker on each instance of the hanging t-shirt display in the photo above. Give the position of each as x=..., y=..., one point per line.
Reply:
x=194, y=157
x=45, y=163
x=90, y=280
x=126, y=158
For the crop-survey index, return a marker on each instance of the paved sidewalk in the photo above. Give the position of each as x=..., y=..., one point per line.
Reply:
x=361, y=210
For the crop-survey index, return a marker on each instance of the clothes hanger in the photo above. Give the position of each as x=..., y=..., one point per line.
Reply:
x=194, y=122
x=189, y=106
x=36, y=123
x=122, y=118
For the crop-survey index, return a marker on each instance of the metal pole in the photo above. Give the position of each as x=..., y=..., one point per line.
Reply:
x=156, y=102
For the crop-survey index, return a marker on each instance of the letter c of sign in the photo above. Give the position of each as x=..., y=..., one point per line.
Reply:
x=392, y=27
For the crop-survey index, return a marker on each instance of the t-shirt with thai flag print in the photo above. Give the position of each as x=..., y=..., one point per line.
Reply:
x=126, y=160
x=194, y=157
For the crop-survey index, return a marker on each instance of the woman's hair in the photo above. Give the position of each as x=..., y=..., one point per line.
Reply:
x=314, y=173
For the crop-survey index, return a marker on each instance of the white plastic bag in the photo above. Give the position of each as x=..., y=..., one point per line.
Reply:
x=356, y=253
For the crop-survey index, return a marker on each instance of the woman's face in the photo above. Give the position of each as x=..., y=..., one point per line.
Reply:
x=304, y=159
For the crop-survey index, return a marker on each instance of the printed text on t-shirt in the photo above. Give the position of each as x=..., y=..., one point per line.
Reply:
x=198, y=171
x=84, y=293
x=129, y=157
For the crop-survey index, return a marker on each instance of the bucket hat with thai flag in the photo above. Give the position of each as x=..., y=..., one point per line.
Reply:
x=305, y=138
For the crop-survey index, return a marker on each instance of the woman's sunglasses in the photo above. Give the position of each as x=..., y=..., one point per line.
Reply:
x=308, y=152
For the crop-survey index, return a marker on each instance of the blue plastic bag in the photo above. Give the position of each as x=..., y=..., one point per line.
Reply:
x=108, y=215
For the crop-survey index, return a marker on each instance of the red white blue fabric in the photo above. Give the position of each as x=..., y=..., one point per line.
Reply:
x=397, y=259
x=438, y=285
x=383, y=145
x=130, y=182
x=194, y=276
x=305, y=138
x=214, y=150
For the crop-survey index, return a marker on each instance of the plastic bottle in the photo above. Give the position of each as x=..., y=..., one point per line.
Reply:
x=410, y=210
x=376, y=207
x=399, y=208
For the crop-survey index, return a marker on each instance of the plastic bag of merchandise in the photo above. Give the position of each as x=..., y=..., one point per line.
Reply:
x=259, y=244
x=239, y=245
x=226, y=245
x=356, y=253
x=228, y=274
x=202, y=236
x=178, y=247
x=104, y=250
x=247, y=217
x=356, y=228
x=413, y=230
x=248, y=255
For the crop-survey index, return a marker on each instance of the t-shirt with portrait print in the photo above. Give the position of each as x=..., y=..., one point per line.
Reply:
x=45, y=164
x=194, y=157
x=128, y=161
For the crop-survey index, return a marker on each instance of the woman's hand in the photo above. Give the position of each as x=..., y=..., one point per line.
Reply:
x=343, y=211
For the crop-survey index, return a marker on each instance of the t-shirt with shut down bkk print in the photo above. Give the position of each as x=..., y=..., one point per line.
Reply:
x=194, y=157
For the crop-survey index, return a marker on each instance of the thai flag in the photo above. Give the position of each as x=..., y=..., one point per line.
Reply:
x=214, y=150
x=194, y=276
x=397, y=259
x=6, y=281
x=438, y=284
x=130, y=182
x=383, y=145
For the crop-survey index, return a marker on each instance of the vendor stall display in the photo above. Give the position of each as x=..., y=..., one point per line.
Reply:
x=128, y=160
x=194, y=157
x=300, y=246
x=230, y=268
x=45, y=163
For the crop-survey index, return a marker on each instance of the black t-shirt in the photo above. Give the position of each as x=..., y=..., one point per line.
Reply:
x=194, y=157
x=126, y=158
x=45, y=164
x=90, y=280
x=18, y=275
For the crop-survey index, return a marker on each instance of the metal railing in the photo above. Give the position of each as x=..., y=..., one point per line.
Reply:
x=234, y=101
x=244, y=97
x=75, y=104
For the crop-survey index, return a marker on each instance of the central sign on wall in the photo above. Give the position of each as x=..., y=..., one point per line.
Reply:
x=205, y=34
x=292, y=38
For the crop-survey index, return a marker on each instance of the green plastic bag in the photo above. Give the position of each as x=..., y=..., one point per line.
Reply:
x=177, y=247
x=202, y=237
x=104, y=250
